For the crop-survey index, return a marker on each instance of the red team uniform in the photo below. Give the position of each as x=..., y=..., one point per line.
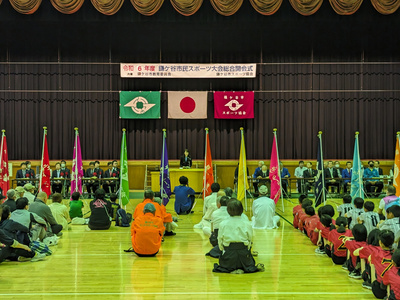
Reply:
x=392, y=277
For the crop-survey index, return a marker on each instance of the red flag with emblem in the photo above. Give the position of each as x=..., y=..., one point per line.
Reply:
x=45, y=167
x=208, y=169
x=4, y=177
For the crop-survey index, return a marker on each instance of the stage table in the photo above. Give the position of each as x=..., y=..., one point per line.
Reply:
x=194, y=175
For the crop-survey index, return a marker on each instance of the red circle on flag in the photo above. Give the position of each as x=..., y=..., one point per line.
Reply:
x=187, y=105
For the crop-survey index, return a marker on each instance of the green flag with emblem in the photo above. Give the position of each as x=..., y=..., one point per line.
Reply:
x=139, y=105
x=124, y=182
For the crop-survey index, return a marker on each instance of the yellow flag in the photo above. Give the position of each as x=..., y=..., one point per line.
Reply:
x=396, y=175
x=243, y=184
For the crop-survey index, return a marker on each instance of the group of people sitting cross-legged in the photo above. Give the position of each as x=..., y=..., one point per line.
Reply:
x=27, y=229
x=363, y=241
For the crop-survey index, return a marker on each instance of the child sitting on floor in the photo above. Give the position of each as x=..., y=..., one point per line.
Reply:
x=302, y=215
x=296, y=211
x=353, y=264
x=346, y=206
x=380, y=261
x=310, y=224
x=369, y=218
x=235, y=238
x=392, y=277
x=355, y=212
x=337, y=251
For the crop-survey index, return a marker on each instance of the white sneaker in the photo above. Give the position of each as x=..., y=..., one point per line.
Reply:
x=22, y=258
x=198, y=226
x=38, y=256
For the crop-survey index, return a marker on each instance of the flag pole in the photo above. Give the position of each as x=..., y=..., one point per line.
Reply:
x=76, y=159
x=205, y=167
x=244, y=169
x=41, y=163
x=279, y=168
x=3, y=133
x=163, y=163
x=360, y=180
x=322, y=161
x=120, y=177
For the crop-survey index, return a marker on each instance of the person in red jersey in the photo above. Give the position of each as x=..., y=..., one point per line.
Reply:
x=310, y=224
x=302, y=215
x=146, y=232
x=392, y=277
x=364, y=253
x=335, y=237
x=381, y=262
x=324, y=228
x=359, y=232
x=297, y=210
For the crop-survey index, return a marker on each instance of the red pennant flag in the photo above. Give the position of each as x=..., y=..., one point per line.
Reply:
x=45, y=168
x=4, y=175
x=208, y=169
x=274, y=175
x=234, y=105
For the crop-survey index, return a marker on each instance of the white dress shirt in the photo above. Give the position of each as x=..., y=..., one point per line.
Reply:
x=218, y=216
x=235, y=230
x=210, y=205
x=263, y=213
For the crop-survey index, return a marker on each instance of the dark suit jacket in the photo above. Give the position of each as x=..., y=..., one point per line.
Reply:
x=108, y=174
x=306, y=173
x=19, y=174
x=260, y=173
x=328, y=174
x=187, y=163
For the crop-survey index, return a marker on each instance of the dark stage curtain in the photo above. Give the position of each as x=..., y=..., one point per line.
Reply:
x=324, y=72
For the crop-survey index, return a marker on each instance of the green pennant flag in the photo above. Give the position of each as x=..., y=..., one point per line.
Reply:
x=139, y=105
x=124, y=183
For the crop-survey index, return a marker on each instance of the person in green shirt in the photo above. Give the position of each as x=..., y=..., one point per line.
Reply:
x=75, y=206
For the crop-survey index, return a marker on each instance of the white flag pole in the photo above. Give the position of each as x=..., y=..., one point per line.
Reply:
x=76, y=160
x=163, y=163
x=322, y=167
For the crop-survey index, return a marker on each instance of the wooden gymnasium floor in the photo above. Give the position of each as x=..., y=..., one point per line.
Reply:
x=92, y=265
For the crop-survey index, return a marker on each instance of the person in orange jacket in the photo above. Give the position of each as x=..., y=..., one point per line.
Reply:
x=146, y=232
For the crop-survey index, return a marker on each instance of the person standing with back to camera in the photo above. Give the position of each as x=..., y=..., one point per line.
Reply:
x=186, y=160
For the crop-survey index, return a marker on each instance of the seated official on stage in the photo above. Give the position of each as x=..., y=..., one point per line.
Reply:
x=184, y=197
x=255, y=182
x=264, y=211
x=65, y=173
x=56, y=185
x=109, y=185
x=372, y=185
x=346, y=176
x=338, y=168
x=115, y=168
x=91, y=185
x=22, y=173
x=299, y=173
x=309, y=172
x=263, y=175
x=146, y=232
x=330, y=174
x=376, y=166
x=186, y=160
x=284, y=176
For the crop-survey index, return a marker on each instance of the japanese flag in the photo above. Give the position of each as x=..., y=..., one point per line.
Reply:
x=187, y=105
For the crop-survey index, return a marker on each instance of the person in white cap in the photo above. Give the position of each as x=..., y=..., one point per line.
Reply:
x=264, y=211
